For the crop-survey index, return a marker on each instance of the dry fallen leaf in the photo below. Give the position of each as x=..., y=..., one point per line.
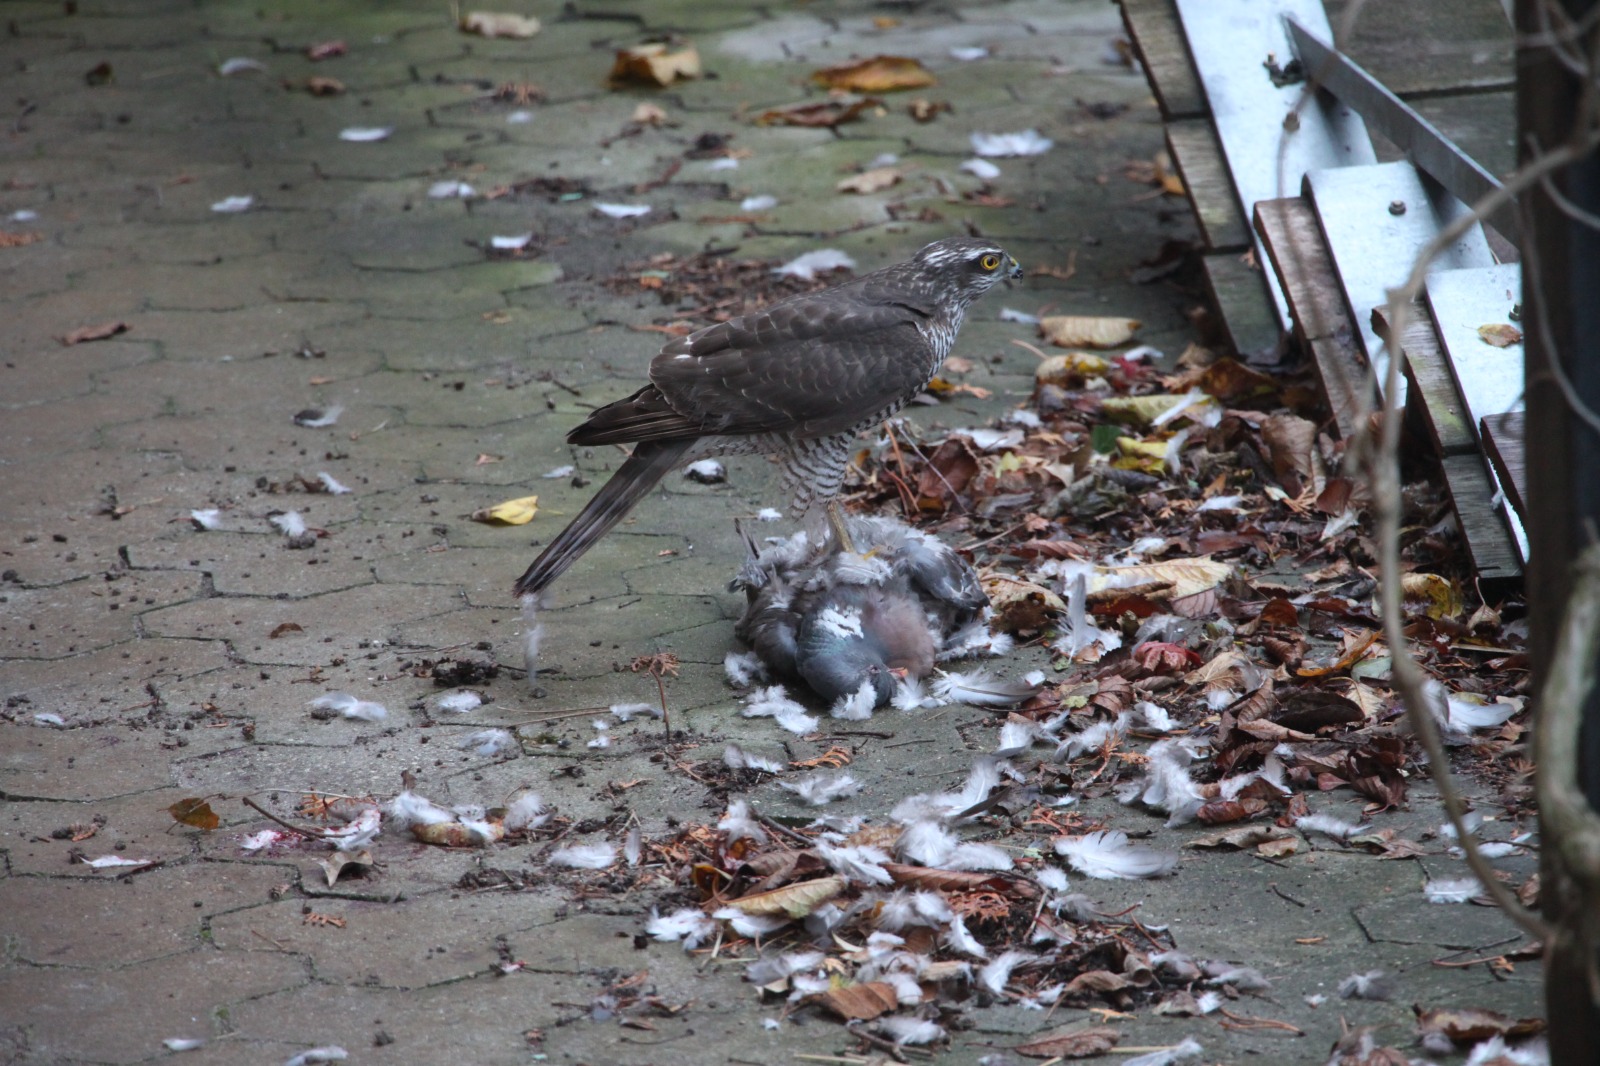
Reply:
x=1468, y=1025
x=283, y=629
x=1070, y=369
x=870, y=180
x=654, y=64
x=1087, y=331
x=457, y=835
x=94, y=333
x=824, y=114
x=17, y=240
x=796, y=901
x=1435, y=596
x=498, y=24
x=861, y=1002
x=326, y=50
x=196, y=812
x=880, y=74
x=324, y=86
x=1071, y=1042
x=1500, y=335
x=335, y=865
x=518, y=512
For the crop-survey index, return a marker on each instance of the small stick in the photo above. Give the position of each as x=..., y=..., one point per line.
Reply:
x=253, y=805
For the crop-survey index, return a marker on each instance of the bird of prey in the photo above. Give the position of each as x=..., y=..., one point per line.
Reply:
x=840, y=618
x=798, y=380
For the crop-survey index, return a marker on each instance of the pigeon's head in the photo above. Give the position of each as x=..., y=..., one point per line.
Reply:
x=844, y=668
x=968, y=267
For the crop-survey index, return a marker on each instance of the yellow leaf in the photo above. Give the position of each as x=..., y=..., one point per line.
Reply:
x=1187, y=576
x=1437, y=597
x=1142, y=410
x=196, y=812
x=1069, y=369
x=1149, y=456
x=517, y=512
x=880, y=74
x=1086, y=331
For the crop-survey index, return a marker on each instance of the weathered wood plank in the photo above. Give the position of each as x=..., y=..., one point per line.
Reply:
x=1483, y=527
x=1502, y=438
x=1489, y=378
x=1294, y=245
x=1432, y=390
x=1197, y=153
x=1239, y=293
x=1157, y=37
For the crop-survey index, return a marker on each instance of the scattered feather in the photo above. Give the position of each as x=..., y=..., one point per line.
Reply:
x=266, y=838
x=959, y=939
x=706, y=472
x=1011, y=314
x=489, y=743
x=239, y=65
x=997, y=972
x=736, y=758
x=751, y=925
x=726, y=162
x=689, y=926
x=113, y=862
x=818, y=789
x=967, y=53
x=451, y=190
x=1152, y=717
x=978, y=689
x=346, y=705
x=904, y=1030
x=559, y=472
x=512, y=242
x=526, y=812
x=739, y=824
x=758, y=203
x=585, y=856
x=633, y=846
x=861, y=864
x=210, y=518
x=1188, y=1049
x=743, y=668
x=627, y=712
x=1023, y=142
x=1109, y=855
x=1453, y=890
x=821, y=261
x=357, y=833
x=459, y=702
x=1496, y=1052
x=179, y=1043
x=365, y=134
x=987, y=171
x=532, y=634
x=774, y=702
x=232, y=205
x=857, y=706
x=290, y=523
x=333, y=485
x=1329, y=826
x=604, y=739
x=768, y=514
x=909, y=695
x=622, y=210
x=408, y=809
x=315, y=419
x=331, y=1053
x=50, y=718
x=1374, y=984
x=1240, y=978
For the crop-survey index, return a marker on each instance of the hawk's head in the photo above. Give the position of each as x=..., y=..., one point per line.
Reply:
x=968, y=265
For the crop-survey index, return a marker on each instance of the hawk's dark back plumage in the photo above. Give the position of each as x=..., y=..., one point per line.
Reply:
x=798, y=379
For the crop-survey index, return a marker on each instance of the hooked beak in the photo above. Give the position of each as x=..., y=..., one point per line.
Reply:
x=1015, y=273
x=899, y=672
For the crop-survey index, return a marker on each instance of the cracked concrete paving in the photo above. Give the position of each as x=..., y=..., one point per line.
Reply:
x=344, y=284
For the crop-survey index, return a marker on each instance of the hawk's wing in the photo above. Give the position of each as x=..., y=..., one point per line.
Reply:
x=811, y=366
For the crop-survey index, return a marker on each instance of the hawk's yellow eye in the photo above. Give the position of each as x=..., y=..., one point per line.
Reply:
x=990, y=262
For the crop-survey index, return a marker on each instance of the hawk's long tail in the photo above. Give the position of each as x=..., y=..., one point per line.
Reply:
x=649, y=463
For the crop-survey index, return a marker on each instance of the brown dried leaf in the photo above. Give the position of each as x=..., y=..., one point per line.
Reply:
x=960, y=881
x=94, y=333
x=1097, y=981
x=1500, y=334
x=324, y=86
x=869, y=181
x=1222, y=812
x=795, y=901
x=1468, y=1025
x=1277, y=849
x=861, y=1002
x=336, y=864
x=1240, y=837
x=654, y=64
x=880, y=74
x=18, y=240
x=824, y=114
x=285, y=628
x=196, y=812
x=1071, y=1042
x=326, y=50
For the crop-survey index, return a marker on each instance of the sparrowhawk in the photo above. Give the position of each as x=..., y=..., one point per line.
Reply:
x=798, y=380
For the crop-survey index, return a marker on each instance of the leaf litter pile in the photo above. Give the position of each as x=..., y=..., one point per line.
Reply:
x=1201, y=586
